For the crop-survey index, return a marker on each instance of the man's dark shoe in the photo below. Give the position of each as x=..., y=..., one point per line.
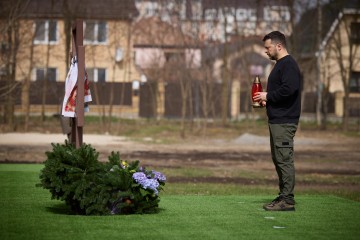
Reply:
x=277, y=199
x=280, y=205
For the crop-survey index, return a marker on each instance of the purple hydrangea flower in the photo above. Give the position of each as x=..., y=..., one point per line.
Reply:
x=159, y=176
x=145, y=182
x=139, y=177
x=151, y=184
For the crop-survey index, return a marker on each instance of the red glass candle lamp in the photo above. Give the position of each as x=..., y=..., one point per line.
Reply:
x=256, y=87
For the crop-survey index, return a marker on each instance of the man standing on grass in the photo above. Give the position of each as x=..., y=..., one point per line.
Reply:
x=283, y=104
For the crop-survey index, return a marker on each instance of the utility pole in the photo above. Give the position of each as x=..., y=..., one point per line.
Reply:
x=225, y=77
x=318, y=64
x=78, y=50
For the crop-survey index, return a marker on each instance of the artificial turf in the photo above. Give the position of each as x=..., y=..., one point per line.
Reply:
x=27, y=212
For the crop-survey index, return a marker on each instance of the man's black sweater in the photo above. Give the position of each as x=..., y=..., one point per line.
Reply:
x=284, y=94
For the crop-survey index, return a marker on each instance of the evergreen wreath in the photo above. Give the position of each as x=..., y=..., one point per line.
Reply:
x=89, y=187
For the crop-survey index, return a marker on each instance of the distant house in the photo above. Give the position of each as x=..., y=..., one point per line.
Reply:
x=157, y=42
x=45, y=40
x=211, y=20
x=339, y=55
x=230, y=33
x=164, y=54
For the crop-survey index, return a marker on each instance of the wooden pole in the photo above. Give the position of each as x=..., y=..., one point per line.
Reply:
x=78, y=50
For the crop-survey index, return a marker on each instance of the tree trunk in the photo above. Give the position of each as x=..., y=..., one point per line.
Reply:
x=183, y=114
x=13, y=43
x=319, y=103
x=345, y=125
x=26, y=89
x=45, y=84
x=225, y=91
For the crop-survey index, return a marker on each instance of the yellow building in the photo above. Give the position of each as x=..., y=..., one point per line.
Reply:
x=44, y=43
x=339, y=62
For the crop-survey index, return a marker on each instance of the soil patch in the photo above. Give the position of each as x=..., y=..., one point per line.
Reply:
x=324, y=155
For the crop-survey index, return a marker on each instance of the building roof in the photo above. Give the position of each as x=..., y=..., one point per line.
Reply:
x=306, y=30
x=217, y=50
x=152, y=32
x=335, y=24
x=86, y=9
x=245, y=4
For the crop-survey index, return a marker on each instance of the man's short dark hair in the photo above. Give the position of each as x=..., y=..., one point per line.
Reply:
x=276, y=37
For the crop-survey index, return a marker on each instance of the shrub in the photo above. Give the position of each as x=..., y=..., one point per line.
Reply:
x=89, y=187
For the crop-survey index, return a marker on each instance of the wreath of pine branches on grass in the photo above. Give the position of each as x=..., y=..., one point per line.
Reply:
x=89, y=187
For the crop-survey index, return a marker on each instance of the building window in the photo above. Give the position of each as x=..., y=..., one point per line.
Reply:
x=210, y=14
x=210, y=27
x=95, y=32
x=354, y=84
x=355, y=32
x=151, y=9
x=136, y=87
x=196, y=9
x=195, y=27
x=45, y=32
x=96, y=74
x=174, y=57
x=41, y=74
x=2, y=73
x=276, y=13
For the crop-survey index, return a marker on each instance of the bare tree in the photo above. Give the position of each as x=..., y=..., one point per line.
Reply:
x=11, y=36
x=151, y=65
x=121, y=56
x=346, y=61
x=25, y=96
x=339, y=57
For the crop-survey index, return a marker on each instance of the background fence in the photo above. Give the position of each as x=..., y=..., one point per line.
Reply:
x=122, y=95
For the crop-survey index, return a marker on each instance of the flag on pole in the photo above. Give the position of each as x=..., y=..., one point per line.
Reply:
x=69, y=103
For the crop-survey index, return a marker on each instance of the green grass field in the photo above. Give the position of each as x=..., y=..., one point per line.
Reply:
x=27, y=212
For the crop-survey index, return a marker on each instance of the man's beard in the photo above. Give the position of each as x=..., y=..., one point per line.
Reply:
x=272, y=57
